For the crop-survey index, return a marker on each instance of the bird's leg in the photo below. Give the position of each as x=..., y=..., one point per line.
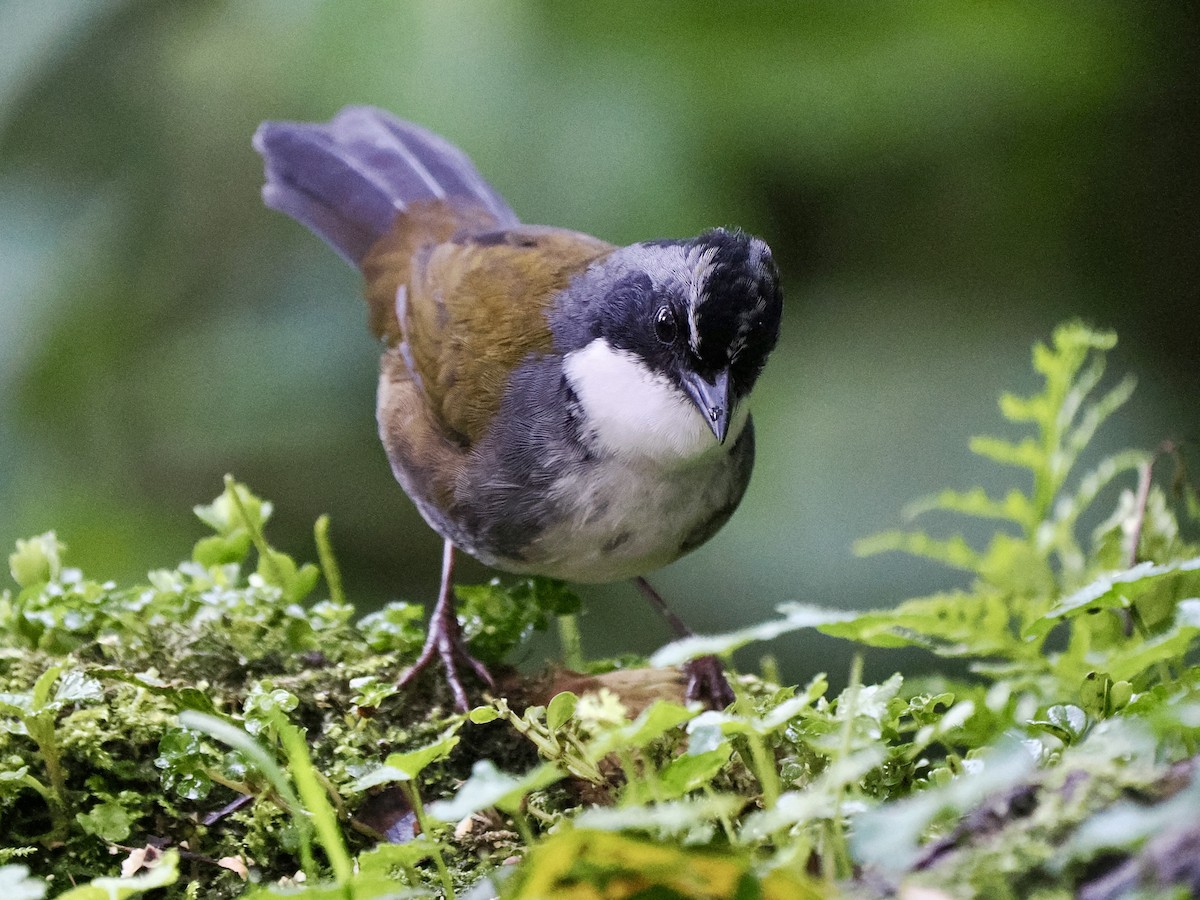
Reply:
x=445, y=640
x=706, y=679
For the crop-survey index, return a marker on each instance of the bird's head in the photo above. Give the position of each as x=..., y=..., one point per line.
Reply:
x=666, y=339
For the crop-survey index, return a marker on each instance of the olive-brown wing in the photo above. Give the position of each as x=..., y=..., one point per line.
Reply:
x=469, y=306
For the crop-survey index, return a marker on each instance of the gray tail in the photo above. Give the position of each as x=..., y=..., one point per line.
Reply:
x=349, y=179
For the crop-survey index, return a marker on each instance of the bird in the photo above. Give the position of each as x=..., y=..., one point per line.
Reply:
x=553, y=404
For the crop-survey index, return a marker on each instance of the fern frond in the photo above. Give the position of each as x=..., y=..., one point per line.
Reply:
x=954, y=552
x=1063, y=417
x=1077, y=392
x=1019, y=409
x=1025, y=455
x=1058, y=536
x=1096, y=413
x=953, y=625
x=1013, y=508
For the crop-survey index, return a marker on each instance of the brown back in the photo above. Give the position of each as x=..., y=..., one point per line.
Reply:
x=468, y=303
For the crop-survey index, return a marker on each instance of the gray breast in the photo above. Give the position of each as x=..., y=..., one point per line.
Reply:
x=535, y=500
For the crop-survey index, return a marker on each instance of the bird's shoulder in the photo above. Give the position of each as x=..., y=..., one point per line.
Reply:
x=469, y=302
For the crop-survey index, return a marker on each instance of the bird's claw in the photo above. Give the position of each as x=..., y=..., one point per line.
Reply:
x=707, y=683
x=451, y=649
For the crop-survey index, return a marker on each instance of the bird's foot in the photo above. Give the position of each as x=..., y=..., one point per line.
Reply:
x=706, y=679
x=707, y=683
x=447, y=644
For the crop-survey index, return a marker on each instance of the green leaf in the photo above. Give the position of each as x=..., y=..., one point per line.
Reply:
x=1095, y=414
x=1066, y=722
x=1025, y=455
x=394, y=629
x=1015, y=506
x=1170, y=645
x=235, y=737
x=16, y=706
x=560, y=709
x=670, y=817
x=1070, y=506
x=414, y=762
x=775, y=718
x=1072, y=392
x=326, y=890
x=184, y=762
x=180, y=697
x=1120, y=695
x=313, y=790
x=109, y=821
x=692, y=771
x=1026, y=409
x=954, y=625
x=1119, y=590
x=488, y=787
x=407, y=766
x=1072, y=341
x=1069, y=717
x=1094, y=694
x=778, y=716
x=655, y=720
x=1017, y=567
x=37, y=560
x=383, y=859
x=797, y=617
x=370, y=692
x=262, y=703
x=279, y=569
x=954, y=552
x=222, y=549
x=13, y=781
x=955, y=717
x=76, y=687
x=41, y=688
x=224, y=514
x=481, y=715
x=590, y=864
x=868, y=701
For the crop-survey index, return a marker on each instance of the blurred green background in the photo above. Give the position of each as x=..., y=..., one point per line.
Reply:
x=942, y=182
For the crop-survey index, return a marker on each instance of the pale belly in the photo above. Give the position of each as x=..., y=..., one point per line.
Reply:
x=620, y=521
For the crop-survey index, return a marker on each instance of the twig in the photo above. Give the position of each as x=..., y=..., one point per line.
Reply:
x=217, y=815
x=1141, y=502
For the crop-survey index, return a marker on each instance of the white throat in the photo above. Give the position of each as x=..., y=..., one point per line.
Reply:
x=631, y=412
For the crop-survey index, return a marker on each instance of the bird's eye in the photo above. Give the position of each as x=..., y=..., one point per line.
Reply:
x=664, y=324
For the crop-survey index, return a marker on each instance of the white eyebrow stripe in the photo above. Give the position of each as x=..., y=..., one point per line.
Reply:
x=684, y=270
x=693, y=327
x=701, y=268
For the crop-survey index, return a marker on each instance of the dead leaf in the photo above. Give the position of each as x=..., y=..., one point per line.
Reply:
x=235, y=864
